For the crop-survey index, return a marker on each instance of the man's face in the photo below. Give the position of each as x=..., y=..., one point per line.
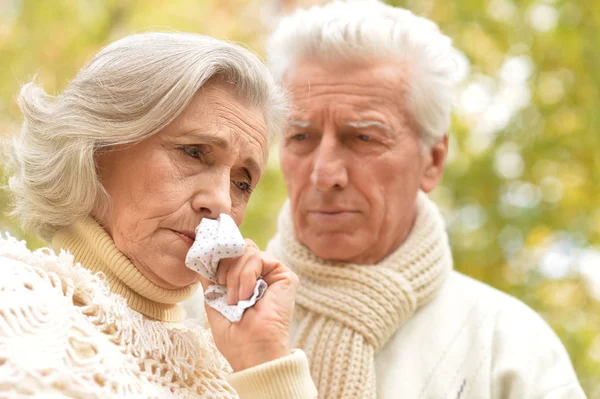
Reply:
x=352, y=159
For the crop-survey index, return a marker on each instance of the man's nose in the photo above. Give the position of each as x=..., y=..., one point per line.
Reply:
x=329, y=170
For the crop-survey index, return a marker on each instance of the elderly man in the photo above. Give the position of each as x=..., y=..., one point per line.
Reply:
x=380, y=312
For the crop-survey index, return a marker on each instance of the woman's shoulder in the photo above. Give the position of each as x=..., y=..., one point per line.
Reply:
x=41, y=272
x=56, y=319
x=19, y=264
x=32, y=288
x=24, y=273
x=41, y=283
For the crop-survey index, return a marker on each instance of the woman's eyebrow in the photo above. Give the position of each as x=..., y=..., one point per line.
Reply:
x=209, y=139
x=252, y=166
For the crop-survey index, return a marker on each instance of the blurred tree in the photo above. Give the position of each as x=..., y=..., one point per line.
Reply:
x=522, y=184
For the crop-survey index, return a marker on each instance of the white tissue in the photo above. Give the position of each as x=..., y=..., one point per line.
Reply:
x=216, y=240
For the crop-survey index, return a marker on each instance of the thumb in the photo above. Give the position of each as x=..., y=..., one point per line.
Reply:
x=215, y=319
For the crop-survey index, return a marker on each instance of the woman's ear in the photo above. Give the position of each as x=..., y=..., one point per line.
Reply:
x=435, y=162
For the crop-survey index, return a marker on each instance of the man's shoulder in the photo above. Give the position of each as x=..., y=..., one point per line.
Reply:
x=473, y=326
x=470, y=294
x=484, y=314
x=522, y=347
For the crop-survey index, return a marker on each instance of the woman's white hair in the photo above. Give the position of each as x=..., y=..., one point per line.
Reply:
x=364, y=30
x=130, y=90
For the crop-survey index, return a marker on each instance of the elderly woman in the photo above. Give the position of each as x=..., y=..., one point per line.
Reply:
x=157, y=132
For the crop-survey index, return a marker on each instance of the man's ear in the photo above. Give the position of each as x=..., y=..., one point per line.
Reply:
x=435, y=162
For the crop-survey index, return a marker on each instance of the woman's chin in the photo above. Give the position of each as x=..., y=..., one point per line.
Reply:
x=176, y=283
x=173, y=274
x=181, y=277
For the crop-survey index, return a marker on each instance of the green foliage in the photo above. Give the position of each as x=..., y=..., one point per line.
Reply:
x=521, y=188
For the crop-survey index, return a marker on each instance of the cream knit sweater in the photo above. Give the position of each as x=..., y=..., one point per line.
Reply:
x=99, y=329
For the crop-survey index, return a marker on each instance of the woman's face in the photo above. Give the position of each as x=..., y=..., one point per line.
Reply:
x=206, y=162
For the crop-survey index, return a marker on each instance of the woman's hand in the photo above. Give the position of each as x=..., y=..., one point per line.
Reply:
x=263, y=334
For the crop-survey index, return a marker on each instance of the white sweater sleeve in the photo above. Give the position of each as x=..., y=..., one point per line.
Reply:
x=285, y=378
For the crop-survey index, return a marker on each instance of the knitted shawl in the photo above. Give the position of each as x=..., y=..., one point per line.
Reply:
x=63, y=331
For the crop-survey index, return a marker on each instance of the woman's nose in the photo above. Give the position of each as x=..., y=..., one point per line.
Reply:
x=213, y=198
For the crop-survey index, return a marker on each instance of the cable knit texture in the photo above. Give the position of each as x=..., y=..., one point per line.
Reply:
x=347, y=312
x=63, y=333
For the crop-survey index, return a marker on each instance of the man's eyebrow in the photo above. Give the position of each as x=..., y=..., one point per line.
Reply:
x=362, y=124
x=300, y=123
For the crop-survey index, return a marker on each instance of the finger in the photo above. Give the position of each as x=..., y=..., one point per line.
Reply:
x=272, y=268
x=233, y=280
x=242, y=276
x=251, y=244
x=225, y=263
x=280, y=276
x=250, y=274
x=223, y=268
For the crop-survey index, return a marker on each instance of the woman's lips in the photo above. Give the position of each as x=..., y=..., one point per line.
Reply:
x=187, y=239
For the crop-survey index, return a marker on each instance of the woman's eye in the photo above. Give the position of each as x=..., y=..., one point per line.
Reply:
x=243, y=186
x=364, y=137
x=299, y=137
x=193, y=151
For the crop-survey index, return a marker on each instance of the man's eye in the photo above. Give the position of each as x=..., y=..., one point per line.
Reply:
x=193, y=151
x=364, y=137
x=299, y=137
x=243, y=186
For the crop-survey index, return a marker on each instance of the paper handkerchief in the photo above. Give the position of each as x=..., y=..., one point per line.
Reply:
x=216, y=240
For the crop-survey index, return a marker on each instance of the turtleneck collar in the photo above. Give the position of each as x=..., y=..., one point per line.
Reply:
x=91, y=246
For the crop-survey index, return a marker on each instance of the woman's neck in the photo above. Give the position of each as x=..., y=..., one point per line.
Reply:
x=91, y=246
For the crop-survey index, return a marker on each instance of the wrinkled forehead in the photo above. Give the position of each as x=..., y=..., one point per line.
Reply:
x=219, y=116
x=358, y=86
x=381, y=71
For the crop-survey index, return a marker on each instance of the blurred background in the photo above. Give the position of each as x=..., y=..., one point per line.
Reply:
x=521, y=193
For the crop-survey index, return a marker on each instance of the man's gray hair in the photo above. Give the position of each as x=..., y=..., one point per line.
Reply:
x=130, y=90
x=363, y=30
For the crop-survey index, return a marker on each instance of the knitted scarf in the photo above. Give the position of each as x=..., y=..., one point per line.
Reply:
x=347, y=312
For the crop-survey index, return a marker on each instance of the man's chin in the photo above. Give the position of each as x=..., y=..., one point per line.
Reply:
x=337, y=249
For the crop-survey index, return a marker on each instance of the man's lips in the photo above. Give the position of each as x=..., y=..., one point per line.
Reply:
x=332, y=215
x=332, y=210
